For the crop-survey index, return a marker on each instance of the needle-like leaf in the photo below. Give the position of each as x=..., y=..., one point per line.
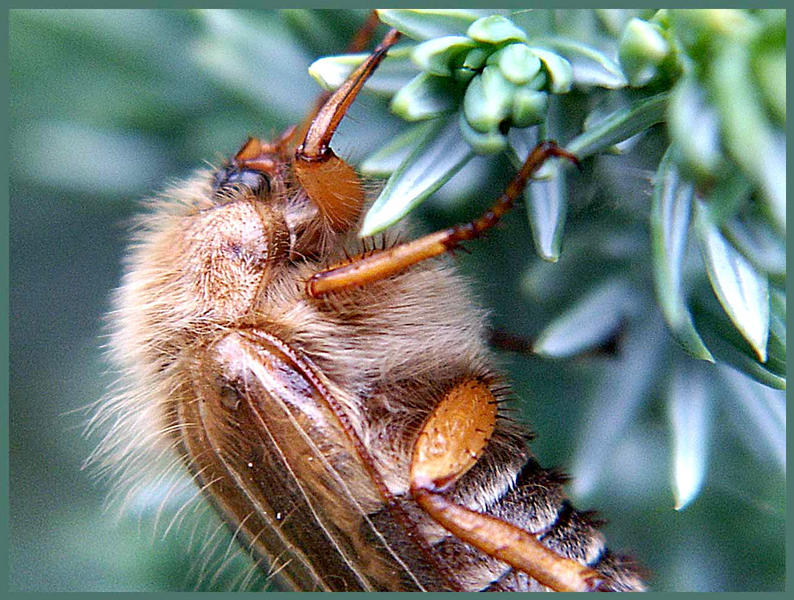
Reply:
x=426, y=169
x=430, y=23
x=670, y=216
x=589, y=66
x=590, y=322
x=740, y=288
x=689, y=411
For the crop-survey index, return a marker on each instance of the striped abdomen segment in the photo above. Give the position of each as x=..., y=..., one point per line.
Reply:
x=538, y=504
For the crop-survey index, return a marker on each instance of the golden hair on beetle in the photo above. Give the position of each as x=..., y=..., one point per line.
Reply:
x=340, y=409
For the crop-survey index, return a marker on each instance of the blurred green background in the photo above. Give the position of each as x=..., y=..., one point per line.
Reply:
x=109, y=106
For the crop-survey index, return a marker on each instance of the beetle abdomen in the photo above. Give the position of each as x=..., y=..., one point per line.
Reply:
x=509, y=483
x=538, y=504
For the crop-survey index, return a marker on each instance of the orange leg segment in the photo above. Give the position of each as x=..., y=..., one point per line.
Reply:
x=364, y=35
x=318, y=137
x=382, y=264
x=358, y=44
x=449, y=444
x=454, y=436
x=513, y=545
x=330, y=182
x=262, y=155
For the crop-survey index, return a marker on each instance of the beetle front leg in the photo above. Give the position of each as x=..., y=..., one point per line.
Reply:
x=449, y=444
x=329, y=181
x=359, y=43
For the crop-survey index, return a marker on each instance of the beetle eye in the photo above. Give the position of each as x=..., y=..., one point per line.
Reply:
x=233, y=177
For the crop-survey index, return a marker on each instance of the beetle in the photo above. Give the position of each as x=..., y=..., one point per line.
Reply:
x=338, y=405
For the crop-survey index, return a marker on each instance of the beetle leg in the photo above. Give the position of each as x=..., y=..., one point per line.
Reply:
x=454, y=436
x=449, y=444
x=291, y=136
x=513, y=545
x=382, y=264
x=364, y=35
x=316, y=143
x=329, y=181
x=260, y=154
x=499, y=339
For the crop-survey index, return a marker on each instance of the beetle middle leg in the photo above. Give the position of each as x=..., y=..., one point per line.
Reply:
x=382, y=264
x=449, y=444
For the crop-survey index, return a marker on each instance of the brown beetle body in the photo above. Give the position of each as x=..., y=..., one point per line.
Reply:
x=299, y=414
